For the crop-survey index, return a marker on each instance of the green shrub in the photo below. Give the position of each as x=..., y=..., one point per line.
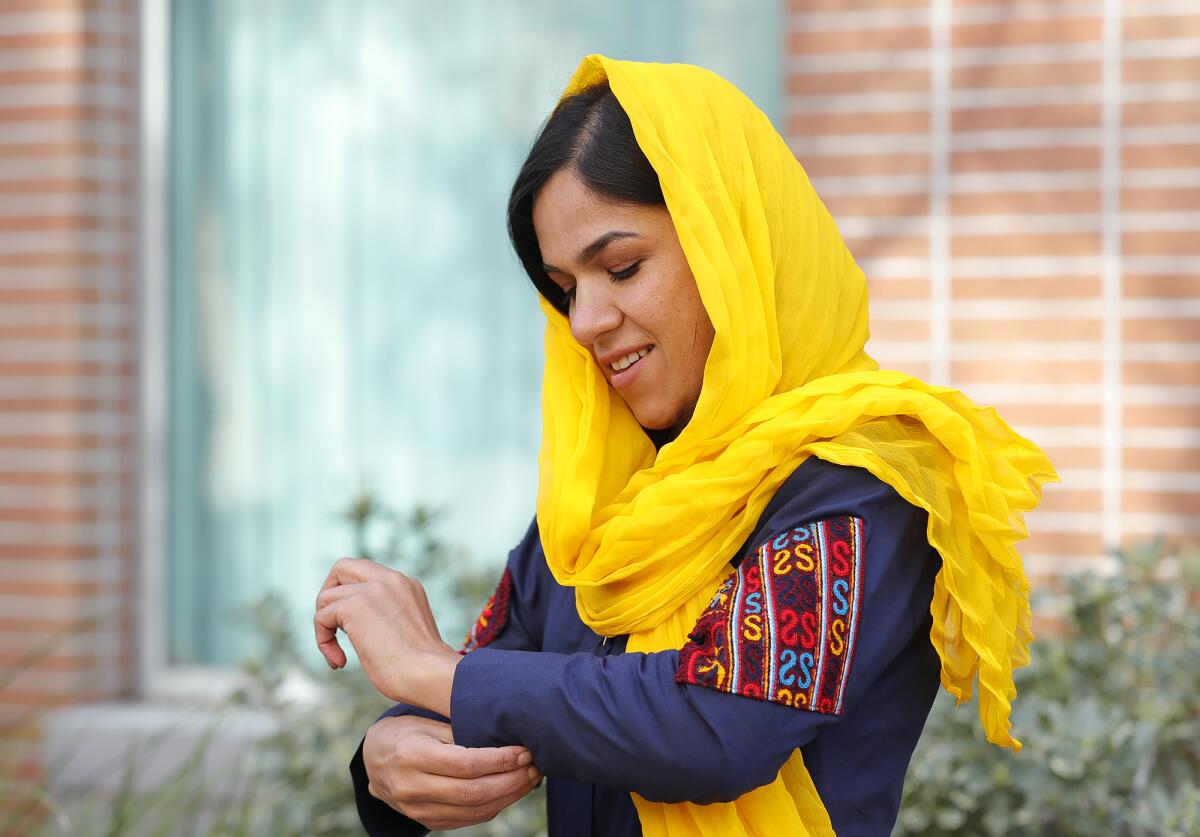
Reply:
x=296, y=781
x=1108, y=711
x=300, y=782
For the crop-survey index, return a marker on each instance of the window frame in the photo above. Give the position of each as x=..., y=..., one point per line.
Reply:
x=155, y=678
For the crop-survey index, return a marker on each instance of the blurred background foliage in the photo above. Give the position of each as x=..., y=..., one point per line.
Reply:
x=295, y=780
x=1108, y=711
x=303, y=784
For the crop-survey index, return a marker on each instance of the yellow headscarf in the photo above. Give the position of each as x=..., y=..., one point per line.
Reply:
x=646, y=538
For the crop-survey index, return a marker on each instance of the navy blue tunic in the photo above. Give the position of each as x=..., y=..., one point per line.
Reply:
x=602, y=723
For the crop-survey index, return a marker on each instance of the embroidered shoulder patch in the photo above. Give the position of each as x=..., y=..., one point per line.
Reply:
x=782, y=626
x=493, y=618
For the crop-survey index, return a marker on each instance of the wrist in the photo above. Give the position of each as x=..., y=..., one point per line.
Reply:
x=433, y=681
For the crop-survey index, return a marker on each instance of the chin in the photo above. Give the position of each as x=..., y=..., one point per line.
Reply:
x=656, y=419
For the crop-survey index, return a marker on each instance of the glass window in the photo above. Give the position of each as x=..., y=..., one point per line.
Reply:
x=345, y=309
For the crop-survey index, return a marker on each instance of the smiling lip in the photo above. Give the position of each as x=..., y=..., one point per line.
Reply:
x=609, y=358
x=627, y=376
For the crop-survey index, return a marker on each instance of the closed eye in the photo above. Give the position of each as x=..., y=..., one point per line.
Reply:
x=621, y=275
x=614, y=275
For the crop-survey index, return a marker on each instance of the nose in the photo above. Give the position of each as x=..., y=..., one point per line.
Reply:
x=593, y=313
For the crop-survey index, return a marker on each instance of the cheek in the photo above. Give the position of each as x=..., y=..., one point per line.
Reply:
x=696, y=329
x=702, y=339
x=669, y=312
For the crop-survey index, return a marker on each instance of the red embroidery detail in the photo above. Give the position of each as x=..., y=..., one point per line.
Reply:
x=493, y=618
x=782, y=627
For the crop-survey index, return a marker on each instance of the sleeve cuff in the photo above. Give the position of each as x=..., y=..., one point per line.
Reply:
x=490, y=687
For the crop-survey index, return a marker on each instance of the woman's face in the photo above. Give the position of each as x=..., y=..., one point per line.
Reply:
x=633, y=302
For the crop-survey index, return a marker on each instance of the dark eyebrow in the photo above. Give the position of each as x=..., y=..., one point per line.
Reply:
x=586, y=254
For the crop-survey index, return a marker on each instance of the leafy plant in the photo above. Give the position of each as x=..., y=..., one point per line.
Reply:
x=295, y=780
x=1108, y=712
x=301, y=782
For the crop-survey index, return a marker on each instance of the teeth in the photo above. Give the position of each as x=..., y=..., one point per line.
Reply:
x=629, y=360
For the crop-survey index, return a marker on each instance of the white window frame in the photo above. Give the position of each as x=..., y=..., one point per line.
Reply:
x=155, y=677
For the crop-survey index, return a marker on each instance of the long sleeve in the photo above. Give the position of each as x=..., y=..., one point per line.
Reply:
x=518, y=630
x=624, y=721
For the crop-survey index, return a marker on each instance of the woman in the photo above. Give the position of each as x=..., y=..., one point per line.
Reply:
x=753, y=552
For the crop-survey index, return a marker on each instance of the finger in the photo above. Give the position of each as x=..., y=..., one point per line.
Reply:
x=474, y=793
x=326, y=623
x=355, y=571
x=343, y=571
x=442, y=816
x=468, y=762
x=329, y=595
x=443, y=733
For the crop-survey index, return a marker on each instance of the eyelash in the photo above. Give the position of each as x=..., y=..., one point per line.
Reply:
x=618, y=276
x=627, y=273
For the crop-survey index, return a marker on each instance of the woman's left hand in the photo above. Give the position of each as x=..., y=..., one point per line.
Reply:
x=386, y=616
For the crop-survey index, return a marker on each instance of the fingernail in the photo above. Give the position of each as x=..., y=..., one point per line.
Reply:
x=535, y=776
x=524, y=759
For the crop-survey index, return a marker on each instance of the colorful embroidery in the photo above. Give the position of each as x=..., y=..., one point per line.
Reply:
x=782, y=627
x=493, y=618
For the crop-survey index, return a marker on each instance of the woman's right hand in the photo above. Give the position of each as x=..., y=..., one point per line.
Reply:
x=414, y=766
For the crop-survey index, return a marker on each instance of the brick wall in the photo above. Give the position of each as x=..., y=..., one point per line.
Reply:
x=68, y=330
x=1021, y=183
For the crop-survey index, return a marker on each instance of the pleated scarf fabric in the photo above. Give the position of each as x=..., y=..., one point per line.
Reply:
x=645, y=537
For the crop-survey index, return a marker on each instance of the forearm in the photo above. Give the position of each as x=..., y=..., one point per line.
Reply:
x=622, y=721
